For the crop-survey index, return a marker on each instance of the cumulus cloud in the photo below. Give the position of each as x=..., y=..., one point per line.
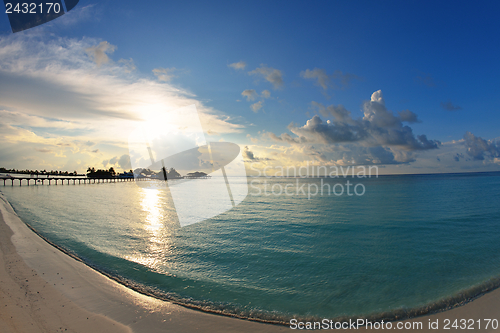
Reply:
x=383, y=136
x=322, y=79
x=315, y=130
x=99, y=53
x=266, y=94
x=479, y=148
x=238, y=65
x=254, y=140
x=408, y=116
x=377, y=97
x=358, y=155
x=124, y=162
x=256, y=106
x=339, y=112
x=250, y=94
x=458, y=156
x=164, y=74
x=272, y=75
x=249, y=156
x=449, y=106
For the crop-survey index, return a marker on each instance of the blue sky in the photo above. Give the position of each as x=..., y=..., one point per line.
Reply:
x=265, y=75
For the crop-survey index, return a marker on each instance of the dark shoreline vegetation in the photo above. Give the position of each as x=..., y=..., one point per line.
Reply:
x=460, y=298
x=110, y=173
x=42, y=172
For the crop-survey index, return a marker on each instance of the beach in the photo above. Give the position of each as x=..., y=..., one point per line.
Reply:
x=45, y=290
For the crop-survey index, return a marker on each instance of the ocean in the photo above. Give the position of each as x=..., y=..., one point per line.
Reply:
x=407, y=245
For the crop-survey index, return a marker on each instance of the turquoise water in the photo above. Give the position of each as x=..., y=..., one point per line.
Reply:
x=410, y=242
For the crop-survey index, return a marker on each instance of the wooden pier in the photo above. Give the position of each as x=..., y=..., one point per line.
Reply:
x=61, y=180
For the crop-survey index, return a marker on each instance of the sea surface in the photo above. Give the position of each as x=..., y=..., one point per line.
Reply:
x=409, y=244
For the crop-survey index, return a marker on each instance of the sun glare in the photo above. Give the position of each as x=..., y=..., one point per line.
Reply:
x=158, y=241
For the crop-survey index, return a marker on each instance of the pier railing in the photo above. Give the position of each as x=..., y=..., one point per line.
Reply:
x=61, y=180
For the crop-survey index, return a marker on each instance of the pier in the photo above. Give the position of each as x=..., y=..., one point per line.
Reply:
x=61, y=180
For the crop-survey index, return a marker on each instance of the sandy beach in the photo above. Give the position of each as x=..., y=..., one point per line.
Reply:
x=44, y=290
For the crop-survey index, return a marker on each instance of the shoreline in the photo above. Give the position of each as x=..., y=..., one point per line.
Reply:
x=461, y=298
x=114, y=304
x=44, y=290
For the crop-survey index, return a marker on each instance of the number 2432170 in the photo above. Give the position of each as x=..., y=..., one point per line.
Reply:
x=470, y=324
x=33, y=8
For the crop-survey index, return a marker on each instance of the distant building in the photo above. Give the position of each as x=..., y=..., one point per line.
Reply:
x=197, y=174
x=126, y=175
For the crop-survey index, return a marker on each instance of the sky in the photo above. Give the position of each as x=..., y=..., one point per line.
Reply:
x=408, y=86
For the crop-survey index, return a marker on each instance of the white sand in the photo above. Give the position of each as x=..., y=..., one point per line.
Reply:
x=45, y=290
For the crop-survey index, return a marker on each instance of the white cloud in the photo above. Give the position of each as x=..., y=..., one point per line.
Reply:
x=479, y=148
x=272, y=75
x=238, y=65
x=123, y=162
x=250, y=94
x=52, y=93
x=256, y=106
x=266, y=94
x=98, y=53
x=164, y=74
x=377, y=97
x=318, y=74
x=254, y=140
x=53, y=79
